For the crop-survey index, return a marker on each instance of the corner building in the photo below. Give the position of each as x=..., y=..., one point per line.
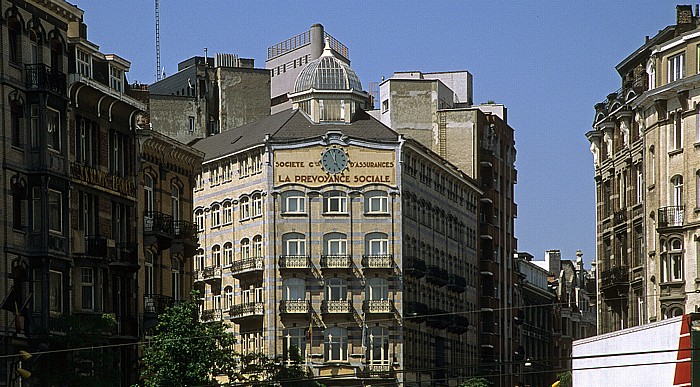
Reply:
x=644, y=142
x=327, y=231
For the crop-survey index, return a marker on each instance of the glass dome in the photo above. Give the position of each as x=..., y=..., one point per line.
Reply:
x=327, y=73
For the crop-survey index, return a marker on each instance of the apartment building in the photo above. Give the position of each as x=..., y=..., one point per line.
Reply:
x=436, y=110
x=326, y=231
x=642, y=143
x=75, y=247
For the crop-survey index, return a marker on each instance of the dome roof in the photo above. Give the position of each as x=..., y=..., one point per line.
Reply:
x=327, y=73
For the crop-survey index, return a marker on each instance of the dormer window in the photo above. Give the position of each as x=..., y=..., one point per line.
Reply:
x=83, y=62
x=116, y=78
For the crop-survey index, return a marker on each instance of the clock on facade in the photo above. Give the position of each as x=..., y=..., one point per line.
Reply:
x=334, y=160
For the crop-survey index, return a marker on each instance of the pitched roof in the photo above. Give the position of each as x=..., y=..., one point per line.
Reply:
x=289, y=125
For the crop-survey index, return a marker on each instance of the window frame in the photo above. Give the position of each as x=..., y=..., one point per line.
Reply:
x=676, y=67
x=371, y=199
x=296, y=197
x=87, y=283
x=337, y=199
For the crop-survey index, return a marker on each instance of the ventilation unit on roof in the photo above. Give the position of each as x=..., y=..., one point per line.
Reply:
x=226, y=60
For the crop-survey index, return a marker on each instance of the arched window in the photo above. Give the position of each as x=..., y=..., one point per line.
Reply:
x=245, y=248
x=257, y=205
x=175, y=202
x=199, y=260
x=335, y=202
x=216, y=256
x=672, y=260
x=336, y=289
x=676, y=131
x=294, y=244
x=245, y=208
x=148, y=189
x=228, y=254
x=34, y=46
x=377, y=289
x=677, y=191
x=199, y=219
x=377, y=244
x=16, y=122
x=228, y=297
x=293, y=289
x=14, y=28
x=378, y=348
x=228, y=213
x=376, y=202
x=215, y=215
x=257, y=246
x=293, y=202
x=335, y=244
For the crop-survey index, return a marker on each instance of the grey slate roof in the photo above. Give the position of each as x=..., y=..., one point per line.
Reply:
x=289, y=125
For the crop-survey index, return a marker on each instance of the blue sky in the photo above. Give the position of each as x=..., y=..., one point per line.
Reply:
x=549, y=62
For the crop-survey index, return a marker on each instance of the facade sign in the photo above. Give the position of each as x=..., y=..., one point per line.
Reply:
x=364, y=166
x=102, y=179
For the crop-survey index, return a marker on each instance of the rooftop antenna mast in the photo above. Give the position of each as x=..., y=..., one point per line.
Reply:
x=158, y=73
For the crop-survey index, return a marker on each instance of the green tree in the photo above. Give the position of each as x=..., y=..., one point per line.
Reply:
x=259, y=370
x=186, y=352
x=475, y=382
x=565, y=379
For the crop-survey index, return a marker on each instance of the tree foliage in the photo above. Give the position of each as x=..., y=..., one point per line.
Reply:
x=185, y=352
x=259, y=370
x=565, y=379
x=475, y=382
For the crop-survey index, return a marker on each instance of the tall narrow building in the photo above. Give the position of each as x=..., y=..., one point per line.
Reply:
x=644, y=142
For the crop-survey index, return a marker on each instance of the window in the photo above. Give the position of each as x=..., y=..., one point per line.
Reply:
x=377, y=289
x=16, y=122
x=336, y=344
x=55, y=292
x=376, y=202
x=55, y=217
x=335, y=202
x=336, y=244
x=53, y=127
x=148, y=187
x=19, y=196
x=120, y=222
x=215, y=215
x=119, y=153
x=149, y=287
x=676, y=67
x=175, y=202
x=294, y=343
x=676, y=128
x=622, y=189
x=245, y=208
x=243, y=166
x=677, y=191
x=228, y=213
x=651, y=71
x=377, y=244
x=190, y=123
x=216, y=256
x=36, y=209
x=293, y=289
x=672, y=261
x=199, y=219
x=175, y=278
x=652, y=164
x=83, y=62
x=378, y=345
x=640, y=184
x=88, y=287
x=385, y=106
x=116, y=78
x=15, y=32
x=257, y=205
x=257, y=246
x=293, y=202
x=293, y=244
x=228, y=297
x=199, y=260
x=228, y=254
x=245, y=248
x=336, y=289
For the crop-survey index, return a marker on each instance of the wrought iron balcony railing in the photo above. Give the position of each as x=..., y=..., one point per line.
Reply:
x=294, y=262
x=295, y=306
x=39, y=76
x=672, y=216
x=336, y=261
x=385, y=261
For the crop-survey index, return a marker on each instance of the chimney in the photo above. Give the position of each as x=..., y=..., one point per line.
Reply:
x=684, y=14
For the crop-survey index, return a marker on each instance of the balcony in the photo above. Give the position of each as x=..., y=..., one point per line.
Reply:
x=336, y=306
x=208, y=274
x=251, y=309
x=248, y=266
x=126, y=255
x=437, y=318
x=41, y=77
x=671, y=216
x=158, y=229
x=336, y=261
x=456, y=283
x=378, y=261
x=415, y=267
x=616, y=277
x=210, y=315
x=96, y=248
x=436, y=275
x=378, y=306
x=415, y=311
x=458, y=324
x=488, y=302
x=294, y=262
x=185, y=238
x=295, y=306
x=157, y=303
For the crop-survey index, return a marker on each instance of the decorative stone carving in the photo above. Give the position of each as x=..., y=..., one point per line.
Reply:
x=595, y=150
x=607, y=137
x=625, y=129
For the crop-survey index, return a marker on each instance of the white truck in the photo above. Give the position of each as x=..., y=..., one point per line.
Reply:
x=652, y=355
